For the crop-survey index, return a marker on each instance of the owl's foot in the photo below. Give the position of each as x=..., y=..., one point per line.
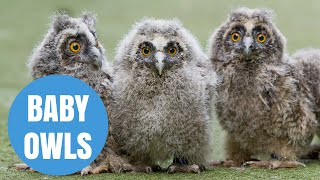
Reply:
x=93, y=170
x=228, y=163
x=274, y=164
x=23, y=167
x=126, y=168
x=185, y=168
x=137, y=169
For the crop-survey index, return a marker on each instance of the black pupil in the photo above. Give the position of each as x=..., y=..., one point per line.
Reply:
x=261, y=38
x=75, y=47
x=235, y=37
x=172, y=51
x=146, y=51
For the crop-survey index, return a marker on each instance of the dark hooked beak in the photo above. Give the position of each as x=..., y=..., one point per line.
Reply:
x=248, y=46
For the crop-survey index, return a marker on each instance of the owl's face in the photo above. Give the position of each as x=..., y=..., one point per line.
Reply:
x=249, y=37
x=76, y=41
x=248, y=40
x=159, y=53
x=157, y=47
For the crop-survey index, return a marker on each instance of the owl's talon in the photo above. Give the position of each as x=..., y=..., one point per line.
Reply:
x=94, y=170
x=84, y=173
x=246, y=164
x=171, y=169
x=99, y=169
x=270, y=167
x=148, y=170
x=126, y=169
x=21, y=167
x=301, y=164
x=136, y=169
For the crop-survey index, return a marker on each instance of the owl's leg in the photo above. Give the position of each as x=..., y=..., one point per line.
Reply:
x=236, y=156
x=114, y=163
x=111, y=161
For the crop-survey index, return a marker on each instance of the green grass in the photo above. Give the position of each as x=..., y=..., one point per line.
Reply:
x=311, y=172
x=23, y=23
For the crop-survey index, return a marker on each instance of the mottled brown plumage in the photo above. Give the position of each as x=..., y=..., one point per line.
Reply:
x=307, y=63
x=263, y=102
x=85, y=61
x=161, y=96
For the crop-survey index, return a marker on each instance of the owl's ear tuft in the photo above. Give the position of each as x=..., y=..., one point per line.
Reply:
x=247, y=13
x=266, y=14
x=60, y=21
x=89, y=18
x=239, y=13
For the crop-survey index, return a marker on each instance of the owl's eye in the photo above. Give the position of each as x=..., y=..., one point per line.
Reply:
x=235, y=37
x=75, y=47
x=261, y=38
x=172, y=51
x=146, y=51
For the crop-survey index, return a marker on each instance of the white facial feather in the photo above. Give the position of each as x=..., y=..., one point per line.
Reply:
x=160, y=42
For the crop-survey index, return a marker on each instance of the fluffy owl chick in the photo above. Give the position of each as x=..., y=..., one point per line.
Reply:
x=160, y=100
x=262, y=104
x=71, y=47
x=307, y=63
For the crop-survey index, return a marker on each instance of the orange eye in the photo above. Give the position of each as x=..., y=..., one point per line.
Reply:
x=172, y=51
x=146, y=51
x=75, y=47
x=235, y=37
x=261, y=38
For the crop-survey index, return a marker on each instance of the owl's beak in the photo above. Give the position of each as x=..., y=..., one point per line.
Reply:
x=160, y=56
x=248, y=45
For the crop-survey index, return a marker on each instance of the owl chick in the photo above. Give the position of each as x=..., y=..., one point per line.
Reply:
x=71, y=47
x=160, y=96
x=307, y=63
x=262, y=103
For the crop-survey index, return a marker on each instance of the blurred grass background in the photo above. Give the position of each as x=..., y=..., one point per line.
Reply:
x=23, y=24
